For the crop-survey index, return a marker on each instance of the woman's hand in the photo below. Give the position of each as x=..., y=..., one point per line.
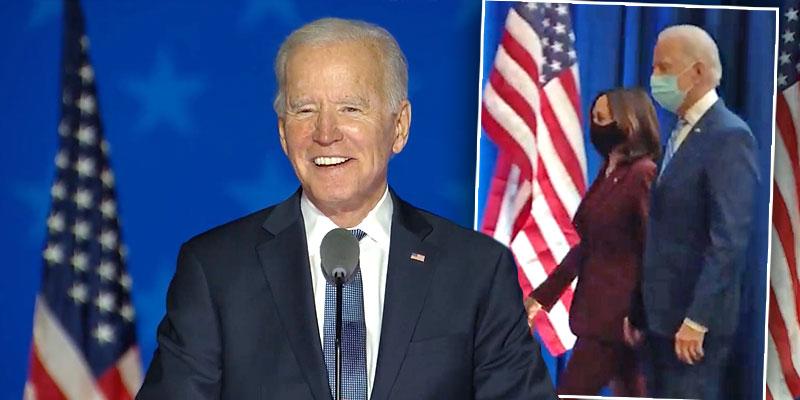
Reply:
x=532, y=307
x=632, y=335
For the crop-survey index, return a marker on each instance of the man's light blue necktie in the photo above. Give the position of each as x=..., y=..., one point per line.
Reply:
x=354, y=335
x=672, y=145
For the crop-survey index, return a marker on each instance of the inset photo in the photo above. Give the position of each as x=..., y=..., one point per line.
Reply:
x=625, y=156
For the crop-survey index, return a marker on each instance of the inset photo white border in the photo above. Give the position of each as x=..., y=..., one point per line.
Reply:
x=484, y=70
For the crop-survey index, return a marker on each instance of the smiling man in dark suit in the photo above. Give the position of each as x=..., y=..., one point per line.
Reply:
x=700, y=217
x=434, y=310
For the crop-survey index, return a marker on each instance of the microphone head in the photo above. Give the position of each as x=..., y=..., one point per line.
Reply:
x=339, y=254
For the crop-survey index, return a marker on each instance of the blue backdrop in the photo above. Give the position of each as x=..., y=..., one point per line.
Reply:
x=614, y=47
x=185, y=90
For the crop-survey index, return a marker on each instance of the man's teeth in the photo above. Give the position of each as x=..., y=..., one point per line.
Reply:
x=327, y=161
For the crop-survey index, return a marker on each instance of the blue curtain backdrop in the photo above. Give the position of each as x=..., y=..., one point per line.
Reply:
x=614, y=45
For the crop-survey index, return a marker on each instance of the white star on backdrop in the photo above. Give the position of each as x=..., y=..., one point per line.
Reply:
x=44, y=12
x=255, y=11
x=165, y=95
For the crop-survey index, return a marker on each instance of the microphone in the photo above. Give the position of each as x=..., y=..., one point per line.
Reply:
x=339, y=255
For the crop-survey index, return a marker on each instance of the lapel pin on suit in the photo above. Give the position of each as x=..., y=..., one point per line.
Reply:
x=418, y=257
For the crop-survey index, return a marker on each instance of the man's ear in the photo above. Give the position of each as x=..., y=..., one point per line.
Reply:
x=282, y=134
x=402, y=124
x=700, y=69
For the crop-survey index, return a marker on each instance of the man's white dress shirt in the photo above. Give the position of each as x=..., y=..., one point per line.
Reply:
x=374, y=261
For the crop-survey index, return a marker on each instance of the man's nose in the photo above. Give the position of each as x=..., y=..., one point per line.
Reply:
x=326, y=131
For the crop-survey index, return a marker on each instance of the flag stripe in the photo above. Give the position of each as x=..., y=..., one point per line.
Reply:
x=567, y=113
x=775, y=382
x=786, y=237
x=783, y=372
x=778, y=332
x=40, y=385
x=110, y=383
x=519, y=140
x=561, y=145
x=60, y=357
x=523, y=44
x=788, y=134
x=130, y=370
x=556, y=207
x=496, y=196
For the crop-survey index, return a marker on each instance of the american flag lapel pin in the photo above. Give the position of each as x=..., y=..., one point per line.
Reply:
x=418, y=257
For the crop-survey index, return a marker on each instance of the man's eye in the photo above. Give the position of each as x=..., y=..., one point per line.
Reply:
x=350, y=109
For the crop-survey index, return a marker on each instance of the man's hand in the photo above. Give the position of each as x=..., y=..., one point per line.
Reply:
x=532, y=307
x=689, y=344
x=633, y=337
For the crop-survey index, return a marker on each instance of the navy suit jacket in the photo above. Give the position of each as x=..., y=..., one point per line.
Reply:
x=241, y=322
x=697, y=234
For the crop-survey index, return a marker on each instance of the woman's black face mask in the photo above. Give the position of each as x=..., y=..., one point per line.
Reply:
x=606, y=137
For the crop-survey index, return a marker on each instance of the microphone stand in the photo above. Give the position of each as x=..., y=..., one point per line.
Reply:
x=338, y=346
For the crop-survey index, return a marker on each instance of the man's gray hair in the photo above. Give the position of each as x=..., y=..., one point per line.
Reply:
x=337, y=30
x=696, y=45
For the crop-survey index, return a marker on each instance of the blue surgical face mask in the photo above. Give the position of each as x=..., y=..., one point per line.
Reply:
x=664, y=89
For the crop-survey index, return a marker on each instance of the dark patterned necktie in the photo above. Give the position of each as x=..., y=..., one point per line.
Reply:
x=354, y=335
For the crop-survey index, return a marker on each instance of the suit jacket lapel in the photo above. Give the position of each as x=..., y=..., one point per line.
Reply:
x=284, y=259
x=407, y=284
x=688, y=142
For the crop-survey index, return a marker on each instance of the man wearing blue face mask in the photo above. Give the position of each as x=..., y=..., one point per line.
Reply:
x=700, y=216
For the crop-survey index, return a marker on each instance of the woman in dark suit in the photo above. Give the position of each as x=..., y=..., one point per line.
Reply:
x=611, y=223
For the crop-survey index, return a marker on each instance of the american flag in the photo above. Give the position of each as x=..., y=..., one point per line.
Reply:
x=531, y=112
x=84, y=342
x=783, y=343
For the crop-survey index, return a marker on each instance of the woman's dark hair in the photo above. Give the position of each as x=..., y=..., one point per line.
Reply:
x=633, y=111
